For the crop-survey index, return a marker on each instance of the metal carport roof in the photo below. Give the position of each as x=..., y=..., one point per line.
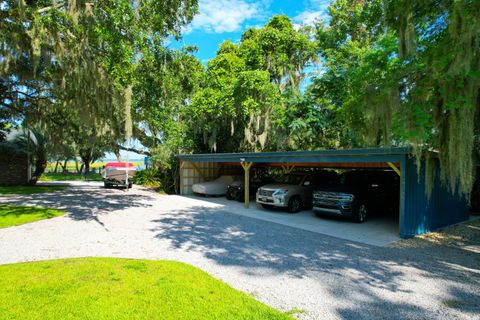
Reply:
x=352, y=155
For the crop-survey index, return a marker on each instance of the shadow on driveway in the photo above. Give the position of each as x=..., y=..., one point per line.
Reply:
x=352, y=270
x=84, y=202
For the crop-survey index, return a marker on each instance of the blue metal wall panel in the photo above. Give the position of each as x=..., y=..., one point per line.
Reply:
x=420, y=214
x=402, y=207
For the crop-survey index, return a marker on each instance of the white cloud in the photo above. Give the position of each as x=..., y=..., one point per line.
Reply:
x=255, y=26
x=316, y=10
x=308, y=17
x=218, y=16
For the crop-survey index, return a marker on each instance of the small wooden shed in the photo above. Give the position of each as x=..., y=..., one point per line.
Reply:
x=14, y=169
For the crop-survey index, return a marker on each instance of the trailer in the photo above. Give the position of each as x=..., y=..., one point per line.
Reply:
x=118, y=174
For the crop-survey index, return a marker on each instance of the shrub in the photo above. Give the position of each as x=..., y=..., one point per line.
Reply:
x=148, y=178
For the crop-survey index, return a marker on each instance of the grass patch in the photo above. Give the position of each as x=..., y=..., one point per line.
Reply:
x=70, y=176
x=296, y=312
x=29, y=189
x=94, y=166
x=16, y=215
x=108, y=288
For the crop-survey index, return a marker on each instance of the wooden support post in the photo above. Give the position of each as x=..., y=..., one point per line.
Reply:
x=288, y=169
x=246, y=167
x=220, y=168
x=394, y=167
x=182, y=165
x=199, y=170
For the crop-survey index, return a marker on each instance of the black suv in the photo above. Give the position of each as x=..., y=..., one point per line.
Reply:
x=359, y=193
x=236, y=190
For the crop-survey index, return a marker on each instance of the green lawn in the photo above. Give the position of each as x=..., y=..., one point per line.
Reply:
x=108, y=288
x=69, y=176
x=96, y=165
x=16, y=215
x=29, y=189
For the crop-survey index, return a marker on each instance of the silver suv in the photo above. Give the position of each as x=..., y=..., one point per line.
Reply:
x=294, y=191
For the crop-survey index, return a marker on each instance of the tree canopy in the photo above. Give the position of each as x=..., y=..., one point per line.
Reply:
x=242, y=103
x=71, y=66
x=406, y=73
x=70, y=62
x=377, y=73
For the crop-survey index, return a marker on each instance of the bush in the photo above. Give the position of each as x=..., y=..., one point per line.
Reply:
x=148, y=178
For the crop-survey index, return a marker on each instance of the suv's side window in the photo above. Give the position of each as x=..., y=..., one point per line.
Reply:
x=316, y=180
x=308, y=181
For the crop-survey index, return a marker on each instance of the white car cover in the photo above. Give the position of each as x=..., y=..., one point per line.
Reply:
x=217, y=187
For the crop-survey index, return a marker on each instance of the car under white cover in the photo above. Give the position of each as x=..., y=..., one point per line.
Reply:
x=217, y=187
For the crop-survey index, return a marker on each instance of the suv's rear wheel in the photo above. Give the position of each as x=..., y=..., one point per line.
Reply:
x=361, y=213
x=294, y=204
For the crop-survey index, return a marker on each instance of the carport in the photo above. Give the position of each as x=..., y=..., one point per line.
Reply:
x=418, y=213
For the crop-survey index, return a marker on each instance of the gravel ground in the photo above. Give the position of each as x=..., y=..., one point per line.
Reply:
x=432, y=277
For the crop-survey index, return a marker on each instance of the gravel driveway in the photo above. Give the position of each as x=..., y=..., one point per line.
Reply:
x=285, y=267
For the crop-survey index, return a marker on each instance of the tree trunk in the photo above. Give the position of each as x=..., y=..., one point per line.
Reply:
x=65, y=166
x=56, y=166
x=86, y=156
x=41, y=162
x=116, y=151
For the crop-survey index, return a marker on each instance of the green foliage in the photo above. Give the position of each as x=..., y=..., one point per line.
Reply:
x=163, y=158
x=11, y=148
x=72, y=66
x=281, y=50
x=241, y=106
x=212, y=111
x=166, y=80
x=311, y=126
x=148, y=177
x=92, y=74
x=439, y=47
x=258, y=102
x=352, y=59
x=107, y=288
x=406, y=73
x=35, y=142
x=17, y=215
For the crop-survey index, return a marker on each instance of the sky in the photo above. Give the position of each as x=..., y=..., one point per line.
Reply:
x=220, y=20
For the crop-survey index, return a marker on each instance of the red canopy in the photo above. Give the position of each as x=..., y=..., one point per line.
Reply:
x=120, y=165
